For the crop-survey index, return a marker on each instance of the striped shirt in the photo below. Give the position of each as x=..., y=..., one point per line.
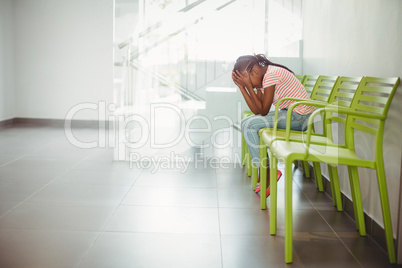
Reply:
x=287, y=86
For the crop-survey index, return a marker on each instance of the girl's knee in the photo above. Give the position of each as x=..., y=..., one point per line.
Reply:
x=258, y=123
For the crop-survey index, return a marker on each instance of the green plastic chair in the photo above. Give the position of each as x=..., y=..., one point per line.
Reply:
x=341, y=94
x=367, y=113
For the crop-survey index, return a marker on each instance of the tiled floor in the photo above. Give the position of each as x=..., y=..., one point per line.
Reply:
x=61, y=206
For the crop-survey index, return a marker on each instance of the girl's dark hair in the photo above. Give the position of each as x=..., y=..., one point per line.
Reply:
x=246, y=63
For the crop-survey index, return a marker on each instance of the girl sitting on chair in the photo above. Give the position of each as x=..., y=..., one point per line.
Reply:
x=271, y=82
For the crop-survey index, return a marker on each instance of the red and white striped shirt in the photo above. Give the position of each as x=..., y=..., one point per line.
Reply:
x=287, y=86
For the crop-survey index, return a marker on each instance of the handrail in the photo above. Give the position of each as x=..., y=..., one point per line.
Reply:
x=312, y=102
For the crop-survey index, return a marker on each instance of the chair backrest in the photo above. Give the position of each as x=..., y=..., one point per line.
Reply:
x=373, y=97
x=300, y=77
x=342, y=94
x=321, y=91
x=323, y=87
x=344, y=90
x=309, y=82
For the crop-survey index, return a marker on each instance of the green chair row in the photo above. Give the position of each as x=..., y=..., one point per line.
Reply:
x=366, y=112
x=319, y=88
x=327, y=90
x=308, y=81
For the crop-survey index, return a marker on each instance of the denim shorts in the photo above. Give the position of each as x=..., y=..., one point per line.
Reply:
x=251, y=125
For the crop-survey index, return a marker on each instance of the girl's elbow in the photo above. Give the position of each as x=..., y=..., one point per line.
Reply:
x=264, y=112
x=259, y=112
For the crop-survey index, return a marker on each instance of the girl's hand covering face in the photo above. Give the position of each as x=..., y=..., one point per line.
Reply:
x=241, y=79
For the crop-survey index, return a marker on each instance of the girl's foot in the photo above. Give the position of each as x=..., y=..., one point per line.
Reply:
x=277, y=179
x=258, y=188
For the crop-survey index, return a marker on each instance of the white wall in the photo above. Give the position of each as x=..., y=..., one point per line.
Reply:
x=7, y=96
x=360, y=38
x=63, y=56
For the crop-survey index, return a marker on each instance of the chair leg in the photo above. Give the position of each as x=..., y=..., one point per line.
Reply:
x=248, y=162
x=318, y=176
x=296, y=163
x=288, y=213
x=306, y=168
x=273, y=163
x=332, y=184
x=336, y=190
x=263, y=174
x=353, y=197
x=357, y=200
x=386, y=214
x=243, y=150
x=254, y=175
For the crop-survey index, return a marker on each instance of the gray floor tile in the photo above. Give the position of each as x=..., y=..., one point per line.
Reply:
x=42, y=163
x=176, y=180
x=172, y=196
x=180, y=167
x=8, y=158
x=233, y=168
x=86, y=195
x=154, y=250
x=44, y=216
x=339, y=221
x=365, y=250
x=97, y=177
x=105, y=165
x=259, y=251
x=43, y=248
x=18, y=192
x=65, y=206
x=5, y=206
x=300, y=200
x=238, y=198
x=304, y=220
x=244, y=221
x=233, y=180
x=28, y=175
x=146, y=219
x=321, y=249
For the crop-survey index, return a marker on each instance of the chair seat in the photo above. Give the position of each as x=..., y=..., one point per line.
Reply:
x=319, y=153
x=267, y=136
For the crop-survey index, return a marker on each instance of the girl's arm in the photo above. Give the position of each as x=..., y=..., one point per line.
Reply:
x=248, y=100
x=267, y=99
x=259, y=94
x=253, y=100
